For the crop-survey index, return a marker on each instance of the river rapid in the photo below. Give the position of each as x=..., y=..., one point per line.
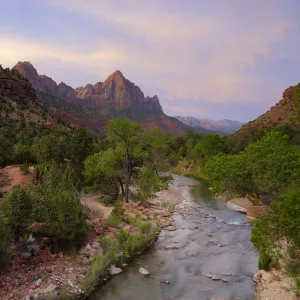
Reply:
x=209, y=255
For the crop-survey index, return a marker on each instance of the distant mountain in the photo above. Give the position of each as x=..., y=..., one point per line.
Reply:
x=20, y=101
x=286, y=111
x=219, y=126
x=115, y=97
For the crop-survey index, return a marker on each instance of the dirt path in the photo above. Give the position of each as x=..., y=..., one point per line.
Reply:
x=12, y=175
x=97, y=210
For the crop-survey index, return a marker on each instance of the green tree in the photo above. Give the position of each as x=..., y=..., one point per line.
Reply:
x=265, y=168
x=5, y=241
x=52, y=147
x=65, y=219
x=5, y=150
x=23, y=154
x=210, y=145
x=102, y=173
x=131, y=152
x=56, y=205
x=17, y=208
x=125, y=136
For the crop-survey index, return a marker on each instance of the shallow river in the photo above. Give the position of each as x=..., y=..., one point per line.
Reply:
x=212, y=255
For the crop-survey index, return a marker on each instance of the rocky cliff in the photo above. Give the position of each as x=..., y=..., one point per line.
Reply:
x=20, y=101
x=286, y=111
x=115, y=92
x=115, y=97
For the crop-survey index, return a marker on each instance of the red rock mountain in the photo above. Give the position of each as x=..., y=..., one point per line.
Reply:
x=115, y=97
x=285, y=111
x=20, y=101
x=115, y=92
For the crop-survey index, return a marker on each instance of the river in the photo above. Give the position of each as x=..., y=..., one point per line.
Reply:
x=208, y=255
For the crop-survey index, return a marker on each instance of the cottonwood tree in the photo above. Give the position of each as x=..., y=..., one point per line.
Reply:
x=131, y=152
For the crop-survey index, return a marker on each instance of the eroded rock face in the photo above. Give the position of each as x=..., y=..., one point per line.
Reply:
x=115, y=92
x=12, y=84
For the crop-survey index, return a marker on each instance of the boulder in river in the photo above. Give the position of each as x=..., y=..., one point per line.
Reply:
x=239, y=204
x=114, y=271
x=171, y=228
x=144, y=271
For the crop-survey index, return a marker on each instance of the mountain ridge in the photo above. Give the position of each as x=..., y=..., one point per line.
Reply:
x=115, y=92
x=224, y=126
x=285, y=111
x=115, y=97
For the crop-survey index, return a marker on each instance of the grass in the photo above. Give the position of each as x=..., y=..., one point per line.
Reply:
x=113, y=221
x=116, y=251
x=167, y=207
x=145, y=227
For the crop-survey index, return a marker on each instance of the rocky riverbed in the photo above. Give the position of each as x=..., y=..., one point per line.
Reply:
x=206, y=254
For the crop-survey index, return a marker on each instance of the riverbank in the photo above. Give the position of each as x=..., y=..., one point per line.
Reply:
x=75, y=274
x=205, y=254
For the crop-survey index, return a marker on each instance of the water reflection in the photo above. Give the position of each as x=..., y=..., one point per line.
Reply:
x=215, y=257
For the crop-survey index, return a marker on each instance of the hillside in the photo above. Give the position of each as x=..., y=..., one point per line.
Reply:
x=21, y=102
x=205, y=125
x=284, y=112
x=115, y=97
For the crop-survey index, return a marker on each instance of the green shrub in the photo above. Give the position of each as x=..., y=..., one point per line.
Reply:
x=145, y=227
x=24, y=168
x=97, y=272
x=297, y=286
x=65, y=219
x=264, y=261
x=23, y=154
x=118, y=210
x=18, y=208
x=113, y=221
x=5, y=240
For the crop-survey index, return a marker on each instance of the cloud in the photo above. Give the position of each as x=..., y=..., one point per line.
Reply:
x=202, y=51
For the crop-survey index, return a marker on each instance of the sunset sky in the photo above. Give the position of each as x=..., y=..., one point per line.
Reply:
x=203, y=58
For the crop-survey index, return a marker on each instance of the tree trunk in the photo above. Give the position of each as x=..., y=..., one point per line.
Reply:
x=127, y=189
x=122, y=188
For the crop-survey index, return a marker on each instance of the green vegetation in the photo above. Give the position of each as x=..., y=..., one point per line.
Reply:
x=133, y=154
x=116, y=251
x=51, y=202
x=5, y=240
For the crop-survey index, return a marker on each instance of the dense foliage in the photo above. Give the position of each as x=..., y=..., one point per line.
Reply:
x=132, y=154
x=265, y=168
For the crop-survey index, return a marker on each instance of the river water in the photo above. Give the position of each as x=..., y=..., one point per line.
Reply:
x=208, y=255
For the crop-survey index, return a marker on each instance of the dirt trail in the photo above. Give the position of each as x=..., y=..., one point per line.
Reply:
x=12, y=175
x=98, y=210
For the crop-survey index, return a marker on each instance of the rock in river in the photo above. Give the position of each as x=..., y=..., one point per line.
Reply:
x=144, y=271
x=171, y=228
x=114, y=271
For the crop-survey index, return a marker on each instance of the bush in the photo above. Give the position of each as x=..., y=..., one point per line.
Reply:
x=264, y=261
x=145, y=227
x=5, y=240
x=57, y=206
x=65, y=219
x=18, y=208
x=24, y=168
x=97, y=272
x=119, y=210
x=113, y=221
x=23, y=154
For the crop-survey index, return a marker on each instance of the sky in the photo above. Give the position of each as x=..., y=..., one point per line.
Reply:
x=217, y=59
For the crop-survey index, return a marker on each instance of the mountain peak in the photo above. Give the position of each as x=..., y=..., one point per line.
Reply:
x=26, y=68
x=118, y=73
